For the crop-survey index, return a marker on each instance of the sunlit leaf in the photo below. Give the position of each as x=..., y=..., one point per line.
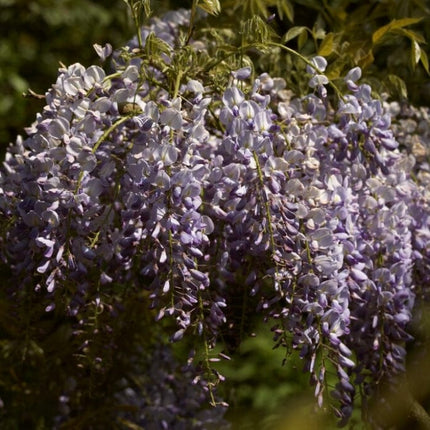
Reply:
x=303, y=38
x=319, y=33
x=393, y=25
x=287, y=8
x=137, y=5
x=415, y=53
x=257, y=31
x=154, y=44
x=404, y=22
x=378, y=34
x=147, y=7
x=412, y=35
x=212, y=7
x=425, y=61
x=294, y=32
x=327, y=45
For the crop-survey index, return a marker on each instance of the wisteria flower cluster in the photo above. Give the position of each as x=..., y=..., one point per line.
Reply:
x=188, y=197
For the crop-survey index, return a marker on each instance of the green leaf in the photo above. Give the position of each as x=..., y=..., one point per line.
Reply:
x=212, y=7
x=404, y=22
x=147, y=7
x=393, y=25
x=137, y=5
x=425, y=61
x=285, y=6
x=154, y=46
x=318, y=33
x=412, y=35
x=303, y=38
x=294, y=32
x=257, y=31
x=415, y=54
x=378, y=34
x=364, y=58
x=18, y=83
x=327, y=45
x=399, y=85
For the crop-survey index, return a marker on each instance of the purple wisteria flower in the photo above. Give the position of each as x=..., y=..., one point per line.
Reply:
x=191, y=198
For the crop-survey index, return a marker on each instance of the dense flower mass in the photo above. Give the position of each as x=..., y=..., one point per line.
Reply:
x=191, y=195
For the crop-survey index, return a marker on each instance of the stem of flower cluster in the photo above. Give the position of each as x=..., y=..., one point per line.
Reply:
x=266, y=203
x=206, y=353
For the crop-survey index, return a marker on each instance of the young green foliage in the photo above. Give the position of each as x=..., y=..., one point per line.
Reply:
x=212, y=7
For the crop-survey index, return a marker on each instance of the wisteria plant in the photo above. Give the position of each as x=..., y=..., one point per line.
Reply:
x=154, y=193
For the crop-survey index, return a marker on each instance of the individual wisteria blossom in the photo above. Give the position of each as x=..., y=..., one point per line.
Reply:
x=194, y=197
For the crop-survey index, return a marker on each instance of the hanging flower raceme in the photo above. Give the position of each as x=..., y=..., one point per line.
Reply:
x=192, y=197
